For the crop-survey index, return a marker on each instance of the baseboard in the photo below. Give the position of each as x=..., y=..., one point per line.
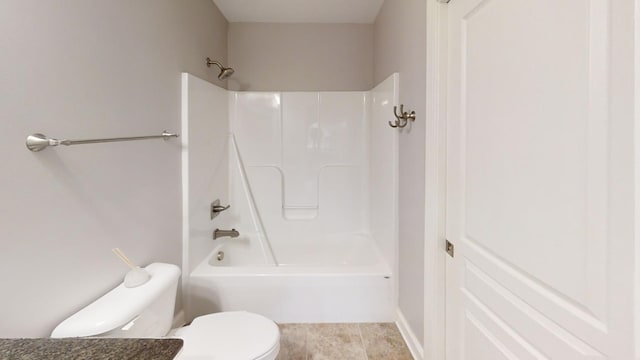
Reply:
x=415, y=345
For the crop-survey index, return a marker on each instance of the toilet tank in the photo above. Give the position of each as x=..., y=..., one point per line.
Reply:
x=143, y=311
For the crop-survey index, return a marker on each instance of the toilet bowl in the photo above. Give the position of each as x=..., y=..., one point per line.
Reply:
x=146, y=311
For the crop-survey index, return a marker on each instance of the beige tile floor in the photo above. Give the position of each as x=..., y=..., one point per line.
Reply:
x=379, y=341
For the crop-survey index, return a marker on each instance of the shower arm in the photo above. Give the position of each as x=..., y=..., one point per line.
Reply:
x=225, y=72
x=213, y=62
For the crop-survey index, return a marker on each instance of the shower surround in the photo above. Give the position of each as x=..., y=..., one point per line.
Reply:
x=312, y=182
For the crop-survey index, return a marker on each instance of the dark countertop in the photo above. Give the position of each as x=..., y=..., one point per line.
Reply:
x=88, y=348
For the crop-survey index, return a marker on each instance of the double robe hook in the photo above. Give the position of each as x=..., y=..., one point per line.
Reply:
x=403, y=118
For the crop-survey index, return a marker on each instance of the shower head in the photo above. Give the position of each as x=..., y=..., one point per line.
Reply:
x=225, y=72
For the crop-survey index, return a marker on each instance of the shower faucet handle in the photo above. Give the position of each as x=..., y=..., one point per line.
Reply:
x=219, y=208
x=216, y=208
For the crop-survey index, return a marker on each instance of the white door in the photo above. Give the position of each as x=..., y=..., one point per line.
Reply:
x=540, y=180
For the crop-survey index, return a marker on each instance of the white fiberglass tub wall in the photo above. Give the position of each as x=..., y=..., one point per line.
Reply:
x=342, y=279
x=300, y=184
x=205, y=167
x=305, y=159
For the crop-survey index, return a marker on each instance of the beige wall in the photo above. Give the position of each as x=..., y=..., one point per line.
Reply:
x=301, y=57
x=400, y=45
x=85, y=69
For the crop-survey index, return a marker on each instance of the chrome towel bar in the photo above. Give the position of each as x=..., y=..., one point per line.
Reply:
x=39, y=142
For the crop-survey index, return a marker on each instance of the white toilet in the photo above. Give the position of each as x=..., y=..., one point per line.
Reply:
x=146, y=311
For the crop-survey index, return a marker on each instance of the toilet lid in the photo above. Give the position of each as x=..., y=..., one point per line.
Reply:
x=230, y=335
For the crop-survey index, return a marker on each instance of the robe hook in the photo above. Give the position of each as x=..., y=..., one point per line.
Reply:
x=403, y=118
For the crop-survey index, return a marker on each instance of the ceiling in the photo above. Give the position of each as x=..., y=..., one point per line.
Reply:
x=300, y=11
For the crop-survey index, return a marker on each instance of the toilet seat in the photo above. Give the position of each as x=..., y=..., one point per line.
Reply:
x=233, y=335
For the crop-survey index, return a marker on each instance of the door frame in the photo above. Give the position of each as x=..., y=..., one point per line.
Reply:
x=636, y=152
x=435, y=182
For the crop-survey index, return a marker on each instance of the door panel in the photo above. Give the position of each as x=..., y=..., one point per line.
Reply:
x=529, y=177
x=536, y=116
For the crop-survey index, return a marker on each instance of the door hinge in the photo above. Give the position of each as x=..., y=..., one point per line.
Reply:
x=449, y=248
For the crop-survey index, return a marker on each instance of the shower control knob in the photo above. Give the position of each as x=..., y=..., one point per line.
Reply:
x=216, y=208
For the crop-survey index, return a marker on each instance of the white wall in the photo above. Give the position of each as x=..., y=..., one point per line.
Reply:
x=301, y=57
x=87, y=69
x=400, y=46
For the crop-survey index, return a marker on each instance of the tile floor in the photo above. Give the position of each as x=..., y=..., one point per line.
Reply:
x=379, y=341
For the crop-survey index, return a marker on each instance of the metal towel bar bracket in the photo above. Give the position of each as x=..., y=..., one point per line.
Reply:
x=39, y=142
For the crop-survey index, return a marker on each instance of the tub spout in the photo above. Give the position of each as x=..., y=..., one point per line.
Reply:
x=217, y=233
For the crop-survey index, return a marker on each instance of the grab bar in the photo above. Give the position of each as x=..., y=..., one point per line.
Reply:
x=39, y=142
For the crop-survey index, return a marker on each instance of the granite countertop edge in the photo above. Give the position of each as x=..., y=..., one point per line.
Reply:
x=90, y=348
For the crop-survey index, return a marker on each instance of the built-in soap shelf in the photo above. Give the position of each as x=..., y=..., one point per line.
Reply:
x=299, y=213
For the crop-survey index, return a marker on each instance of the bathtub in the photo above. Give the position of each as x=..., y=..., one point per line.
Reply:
x=311, y=178
x=342, y=278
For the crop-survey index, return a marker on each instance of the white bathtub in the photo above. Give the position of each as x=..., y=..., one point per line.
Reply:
x=342, y=278
x=309, y=175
